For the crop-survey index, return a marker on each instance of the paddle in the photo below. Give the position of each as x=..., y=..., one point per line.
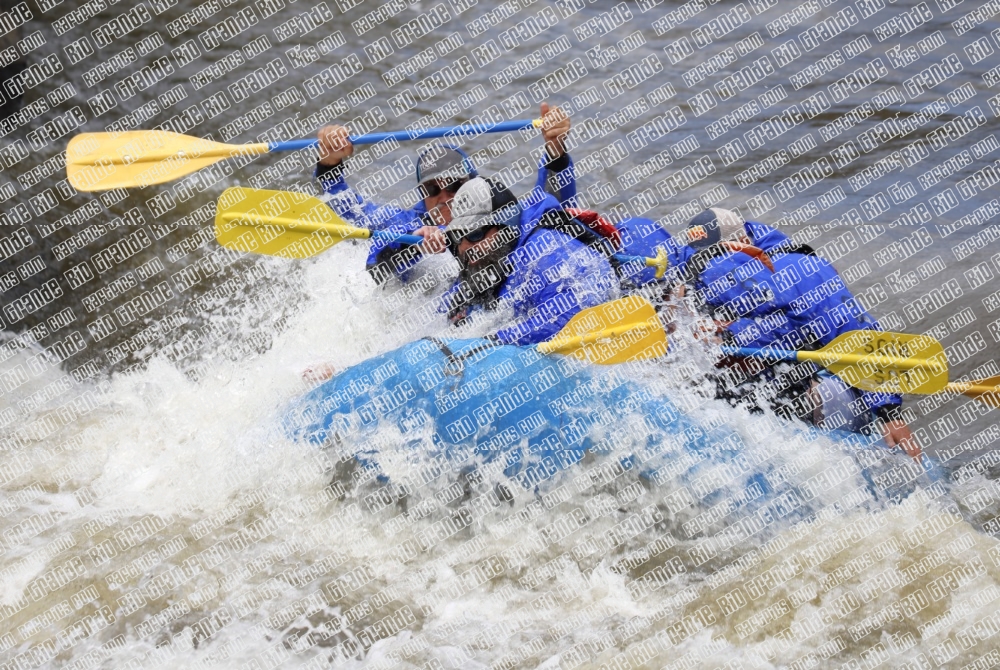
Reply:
x=102, y=161
x=285, y=224
x=873, y=361
x=986, y=390
x=623, y=330
x=295, y=225
x=915, y=364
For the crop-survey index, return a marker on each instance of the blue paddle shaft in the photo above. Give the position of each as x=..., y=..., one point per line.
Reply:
x=405, y=239
x=769, y=354
x=625, y=258
x=407, y=135
x=291, y=145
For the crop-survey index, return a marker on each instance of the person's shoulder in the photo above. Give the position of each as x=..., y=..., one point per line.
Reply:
x=535, y=204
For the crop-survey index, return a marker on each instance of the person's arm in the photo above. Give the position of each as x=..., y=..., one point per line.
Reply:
x=887, y=410
x=355, y=208
x=334, y=150
x=553, y=310
x=555, y=168
x=551, y=290
x=386, y=258
x=884, y=406
x=557, y=178
x=895, y=430
x=455, y=301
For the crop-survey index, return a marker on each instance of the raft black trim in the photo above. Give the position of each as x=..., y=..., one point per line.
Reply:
x=803, y=249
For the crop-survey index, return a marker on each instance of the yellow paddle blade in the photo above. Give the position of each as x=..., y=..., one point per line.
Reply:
x=623, y=330
x=279, y=223
x=101, y=161
x=986, y=390
x=885, y=362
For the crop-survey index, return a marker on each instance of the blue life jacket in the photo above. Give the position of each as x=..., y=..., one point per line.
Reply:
x=358, y=211
x=642, y=237
x=803, y=303
x=551, y=277
x=825, y=307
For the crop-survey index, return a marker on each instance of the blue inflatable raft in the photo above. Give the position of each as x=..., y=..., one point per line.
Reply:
x=438, y=406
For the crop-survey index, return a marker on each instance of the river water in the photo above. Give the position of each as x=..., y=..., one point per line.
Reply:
x=154, y=516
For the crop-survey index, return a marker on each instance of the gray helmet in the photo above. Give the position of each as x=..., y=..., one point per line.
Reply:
x=443, y=161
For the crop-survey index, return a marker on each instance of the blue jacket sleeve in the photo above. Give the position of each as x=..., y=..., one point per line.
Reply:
x=564, y=278
x=351, y=205
x=836, y=311
x=873, y=401
x=558, y=179
x=356, y=210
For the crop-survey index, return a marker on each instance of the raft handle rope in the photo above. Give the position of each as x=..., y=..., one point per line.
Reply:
x=455, y=365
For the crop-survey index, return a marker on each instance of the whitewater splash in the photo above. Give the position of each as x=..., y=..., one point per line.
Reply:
x=155, y=519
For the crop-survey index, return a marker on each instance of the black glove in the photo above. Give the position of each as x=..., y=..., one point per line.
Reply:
x=558, y=164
